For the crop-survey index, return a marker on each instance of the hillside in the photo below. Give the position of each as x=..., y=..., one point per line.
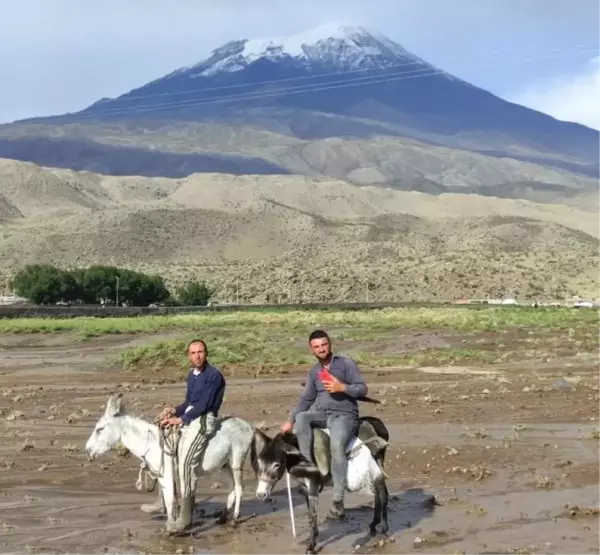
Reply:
x=337, y=102
x=275, y=237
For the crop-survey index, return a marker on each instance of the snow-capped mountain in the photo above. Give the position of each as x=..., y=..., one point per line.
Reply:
x=343, y=46
x=343, y=81
x=330, y=57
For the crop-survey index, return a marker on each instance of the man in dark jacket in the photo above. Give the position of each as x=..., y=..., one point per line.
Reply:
x=196, y=416
x=333, y=386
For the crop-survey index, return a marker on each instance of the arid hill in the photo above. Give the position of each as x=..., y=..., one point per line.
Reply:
x=269, y=238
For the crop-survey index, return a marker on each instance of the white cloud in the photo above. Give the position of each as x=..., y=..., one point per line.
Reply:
x=568, y=98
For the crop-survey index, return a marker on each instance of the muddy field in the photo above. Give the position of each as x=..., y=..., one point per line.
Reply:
x=510, y=454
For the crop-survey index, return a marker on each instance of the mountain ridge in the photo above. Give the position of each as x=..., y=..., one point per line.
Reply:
x=333, y=82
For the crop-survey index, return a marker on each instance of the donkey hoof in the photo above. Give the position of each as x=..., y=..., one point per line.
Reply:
x=171, y=529
x=174, y=528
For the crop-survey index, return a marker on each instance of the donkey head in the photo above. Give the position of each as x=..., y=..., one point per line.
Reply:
x=107, y=431
x=270, y=458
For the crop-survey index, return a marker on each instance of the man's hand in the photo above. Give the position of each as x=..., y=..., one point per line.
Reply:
x=165, y=413
x=287, y=427
x=171, y=421
x=334, y=385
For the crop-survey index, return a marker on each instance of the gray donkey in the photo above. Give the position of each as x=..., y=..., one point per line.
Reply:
x=271, y=457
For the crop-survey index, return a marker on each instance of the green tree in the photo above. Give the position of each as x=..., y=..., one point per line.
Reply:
x=194, y=293
x=99, y=283
x=141, y=289
x=45, y=284
x=135, y=288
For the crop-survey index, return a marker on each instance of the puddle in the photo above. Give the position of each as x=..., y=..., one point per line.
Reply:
x=457, y=370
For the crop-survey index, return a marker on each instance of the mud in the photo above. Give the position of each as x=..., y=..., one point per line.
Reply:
x=511, y=461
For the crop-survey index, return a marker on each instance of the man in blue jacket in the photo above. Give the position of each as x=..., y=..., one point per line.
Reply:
x=196, y=416
x=329, y=400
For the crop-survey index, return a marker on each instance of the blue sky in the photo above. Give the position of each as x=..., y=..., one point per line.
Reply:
x=62, y=55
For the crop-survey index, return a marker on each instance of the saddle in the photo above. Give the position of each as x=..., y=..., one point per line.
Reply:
x=366, y=436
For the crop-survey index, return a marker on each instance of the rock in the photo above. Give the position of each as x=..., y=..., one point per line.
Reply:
x=563, y=384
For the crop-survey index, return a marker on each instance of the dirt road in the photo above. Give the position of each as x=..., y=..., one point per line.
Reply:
x=511, y=458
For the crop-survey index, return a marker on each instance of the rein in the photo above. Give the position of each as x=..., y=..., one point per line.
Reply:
x=168, y=437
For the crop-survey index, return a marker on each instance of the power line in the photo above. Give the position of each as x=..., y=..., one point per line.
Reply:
x=271, y=92
x=317, y=76
x=367, y=80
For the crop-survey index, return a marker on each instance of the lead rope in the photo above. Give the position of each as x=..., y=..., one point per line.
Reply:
x=147, y=479
x=168, y=437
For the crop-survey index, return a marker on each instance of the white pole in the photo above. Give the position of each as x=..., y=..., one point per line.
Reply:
x=289, y=488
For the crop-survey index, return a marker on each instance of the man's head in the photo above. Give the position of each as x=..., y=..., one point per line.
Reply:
x=320, y=344
x=197, y=353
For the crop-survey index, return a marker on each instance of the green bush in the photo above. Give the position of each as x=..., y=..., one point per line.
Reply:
x=194, y=293
x=45, y=284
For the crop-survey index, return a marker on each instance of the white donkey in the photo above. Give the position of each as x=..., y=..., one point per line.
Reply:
x=227, y=449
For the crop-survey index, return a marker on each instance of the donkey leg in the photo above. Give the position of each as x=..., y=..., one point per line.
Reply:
x=385, y=498
x=236, y=482
x=380, y=510
x=376, y=510
x=313, y=505
x=238, y=479
x=170, y=502
x=158, y=506
x=225, y=513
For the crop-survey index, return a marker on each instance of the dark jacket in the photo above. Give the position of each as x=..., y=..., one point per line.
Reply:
x=204, y=393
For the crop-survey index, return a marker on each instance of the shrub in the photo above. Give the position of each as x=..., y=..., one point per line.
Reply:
x=194, y=293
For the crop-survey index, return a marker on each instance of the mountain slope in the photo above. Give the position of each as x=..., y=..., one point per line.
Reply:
x=262, y=232
x=345, y=83
x=84, y=154
x=389, y=84
x=178, y=149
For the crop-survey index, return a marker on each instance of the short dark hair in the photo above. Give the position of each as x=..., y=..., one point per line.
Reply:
x=197, y=341
x=318, y=334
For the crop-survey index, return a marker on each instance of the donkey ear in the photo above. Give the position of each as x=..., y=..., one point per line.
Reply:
x=115, y=404
x=290, y=449
x=259, y=441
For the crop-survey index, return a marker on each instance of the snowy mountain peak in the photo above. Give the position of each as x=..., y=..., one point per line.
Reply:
x=345, y=47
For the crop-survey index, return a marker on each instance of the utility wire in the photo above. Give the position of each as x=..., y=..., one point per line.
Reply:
x=315, y=87
x=418, y=62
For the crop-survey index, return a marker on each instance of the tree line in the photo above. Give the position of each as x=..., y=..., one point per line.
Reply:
x=46, y=284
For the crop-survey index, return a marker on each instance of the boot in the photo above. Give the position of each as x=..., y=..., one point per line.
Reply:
x=185, y=517
x=337, y=511
x=304, y=469
x=157, y=506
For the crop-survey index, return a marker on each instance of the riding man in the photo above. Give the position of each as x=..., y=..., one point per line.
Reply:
x=333, y=386
x=196, y=416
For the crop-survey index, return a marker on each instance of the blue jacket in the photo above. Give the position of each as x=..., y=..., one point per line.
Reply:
x=204, y=393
